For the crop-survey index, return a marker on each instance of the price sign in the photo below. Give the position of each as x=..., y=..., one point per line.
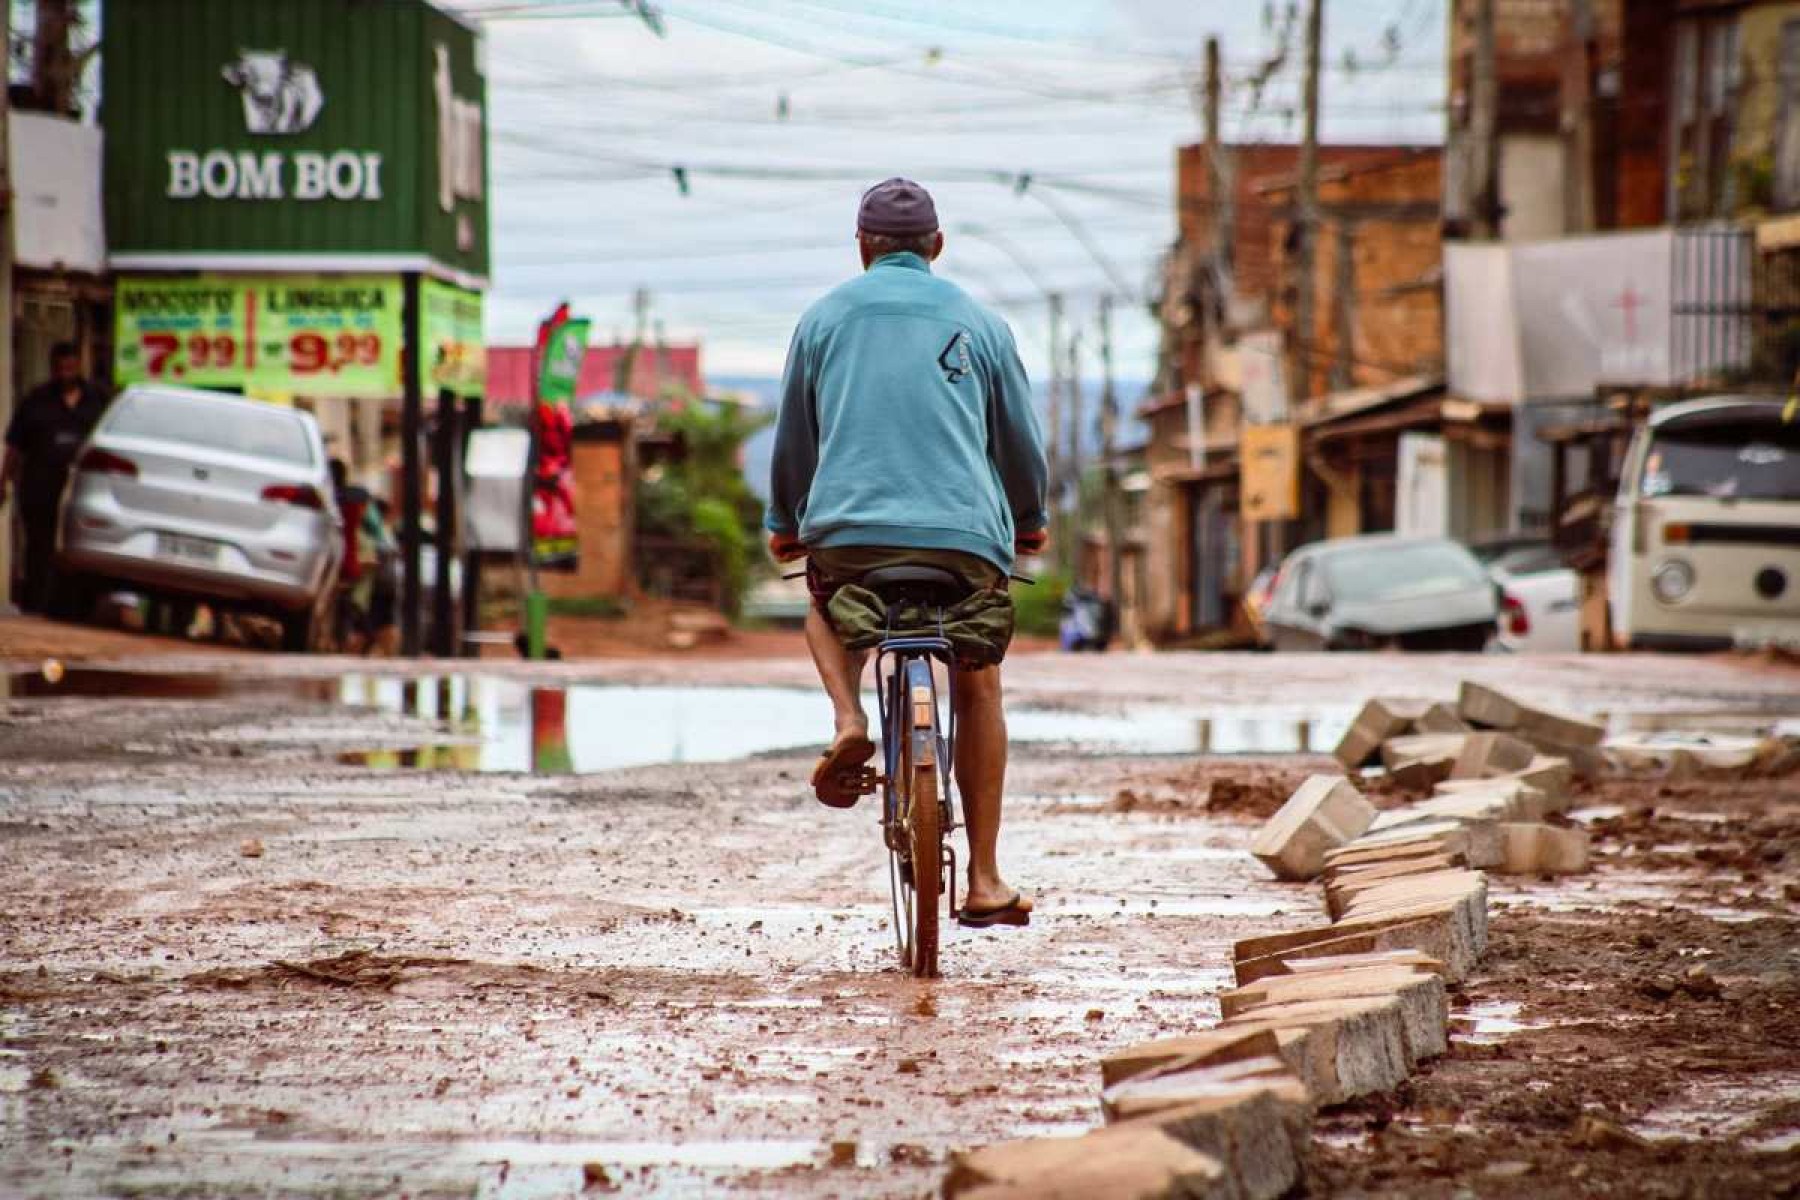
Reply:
x=453, y=354
x=181, y=331
x=320, y=336
x=330, y=336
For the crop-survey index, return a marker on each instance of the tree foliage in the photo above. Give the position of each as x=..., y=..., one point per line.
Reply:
x=701, y=498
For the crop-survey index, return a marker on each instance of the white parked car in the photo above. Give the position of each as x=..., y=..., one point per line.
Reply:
x=190, y=493
x=1540, y=598
x=1381, y=592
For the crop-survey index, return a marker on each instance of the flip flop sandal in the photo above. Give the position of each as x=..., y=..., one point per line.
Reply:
x=1007, y=914
x=837, y=780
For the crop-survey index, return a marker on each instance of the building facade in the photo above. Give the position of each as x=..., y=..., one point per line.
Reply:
x=296, y=205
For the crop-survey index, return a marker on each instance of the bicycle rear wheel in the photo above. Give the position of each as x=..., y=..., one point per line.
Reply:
x=923, y=821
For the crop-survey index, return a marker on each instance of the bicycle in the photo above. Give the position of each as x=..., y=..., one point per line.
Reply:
x=918, y=749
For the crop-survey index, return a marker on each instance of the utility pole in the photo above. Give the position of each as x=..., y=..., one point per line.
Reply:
x=1307, y=243
x=6, y=299
x=1577, y=123
x=1071, y=510
x=53, y=63
x=1218, y=175
x=1483, y=134
x=1055, y=405
x=1112, y=509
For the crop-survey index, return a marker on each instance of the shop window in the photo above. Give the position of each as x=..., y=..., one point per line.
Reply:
x=1787, y=130
x=1707, y=80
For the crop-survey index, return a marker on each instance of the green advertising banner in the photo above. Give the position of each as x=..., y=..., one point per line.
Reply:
x=297, y=335
x=559, y=367
x=452, y=350
x=305, y=135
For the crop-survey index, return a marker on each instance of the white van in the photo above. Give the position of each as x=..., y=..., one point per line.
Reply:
x=1706, y=534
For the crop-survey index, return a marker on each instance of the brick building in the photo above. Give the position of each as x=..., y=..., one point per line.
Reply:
x=1235, y=363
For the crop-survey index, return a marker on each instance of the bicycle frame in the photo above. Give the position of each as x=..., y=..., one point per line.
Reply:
x=901, y=664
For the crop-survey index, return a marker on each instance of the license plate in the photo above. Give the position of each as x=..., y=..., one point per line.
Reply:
x=1751, y=637
x=187, y=549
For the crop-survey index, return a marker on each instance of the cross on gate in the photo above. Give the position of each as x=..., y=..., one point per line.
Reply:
x=1630, y=300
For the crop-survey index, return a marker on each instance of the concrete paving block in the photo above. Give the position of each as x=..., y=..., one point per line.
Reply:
x=1526, y=803
x=1552, y=775
x=1181, y=1084
x=1476, y=807
x=1374, y=958
x=1424, y=936
x=1395, y=869
x=1396, y=751
x=1486, y=707
x=1254, y=1117
x=1542, y=724
x=1477, y=841
x=1378, y=720
x=1461, y=896
x=1424, y=1005
x=1380, y=849
x=1134, y=1161
x=1533, y=848
x=1441, y=927
x=1442, y=718
x=1420, y=775
x=1585, y=762
x=1211, y=1047
x=1485, y=755
x=1324, y=812
x=1352, y=895
x=1353, y=1047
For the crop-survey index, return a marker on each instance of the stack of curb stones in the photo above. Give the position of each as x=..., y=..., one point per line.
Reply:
x=1347, y=1008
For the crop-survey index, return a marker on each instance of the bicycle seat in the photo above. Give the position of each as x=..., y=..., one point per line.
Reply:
x=934, y=585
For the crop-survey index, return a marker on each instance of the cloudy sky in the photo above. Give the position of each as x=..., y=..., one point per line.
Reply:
x=781, y=111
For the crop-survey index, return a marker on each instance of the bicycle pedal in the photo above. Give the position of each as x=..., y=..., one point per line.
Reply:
x=864, y=781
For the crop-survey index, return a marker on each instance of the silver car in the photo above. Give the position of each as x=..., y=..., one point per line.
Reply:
x=1381, y=592
x=205, y=495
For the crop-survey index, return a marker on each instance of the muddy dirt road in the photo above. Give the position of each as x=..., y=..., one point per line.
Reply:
x=237, y=959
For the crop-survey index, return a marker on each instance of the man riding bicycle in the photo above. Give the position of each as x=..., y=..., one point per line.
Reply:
x=907, y=435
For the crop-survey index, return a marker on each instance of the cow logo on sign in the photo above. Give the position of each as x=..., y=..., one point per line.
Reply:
x=279, y=97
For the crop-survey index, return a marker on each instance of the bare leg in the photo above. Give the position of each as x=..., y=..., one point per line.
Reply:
x=841, y=673
x=981, y=774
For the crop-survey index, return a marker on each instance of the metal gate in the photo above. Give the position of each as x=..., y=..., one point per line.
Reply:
x=1735, y=313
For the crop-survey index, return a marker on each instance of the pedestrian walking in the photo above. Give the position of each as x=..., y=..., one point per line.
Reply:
x=46, y=432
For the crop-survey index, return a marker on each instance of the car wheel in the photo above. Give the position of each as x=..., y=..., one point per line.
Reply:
x=305, y=631
x=73, y=595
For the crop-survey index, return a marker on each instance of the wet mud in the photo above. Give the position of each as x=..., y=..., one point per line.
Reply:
x=233, y=960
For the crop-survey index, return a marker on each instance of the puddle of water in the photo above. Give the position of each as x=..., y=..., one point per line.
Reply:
x=502, y=724
x=109, y=684
x=1493, y=1021
x=1725, y=1108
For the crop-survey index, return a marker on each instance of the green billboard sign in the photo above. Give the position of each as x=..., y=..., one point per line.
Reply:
x=306, y=135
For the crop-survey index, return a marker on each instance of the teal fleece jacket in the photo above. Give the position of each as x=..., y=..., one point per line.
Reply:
x=906, y=420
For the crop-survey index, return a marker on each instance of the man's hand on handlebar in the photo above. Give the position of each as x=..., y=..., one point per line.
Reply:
x=786, y=547
x=1033, y=543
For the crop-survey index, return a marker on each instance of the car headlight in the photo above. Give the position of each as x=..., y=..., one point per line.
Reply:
x=1672, y=580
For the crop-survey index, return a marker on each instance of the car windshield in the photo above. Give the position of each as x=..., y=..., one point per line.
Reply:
x=1400, y=571
x=1749, y=461
x=1529, y=559
x=260, y=432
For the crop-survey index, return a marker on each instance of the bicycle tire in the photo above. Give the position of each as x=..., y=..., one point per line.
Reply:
x=924, y=827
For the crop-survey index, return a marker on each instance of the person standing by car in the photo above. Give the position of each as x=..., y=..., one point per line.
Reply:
x=46, y=433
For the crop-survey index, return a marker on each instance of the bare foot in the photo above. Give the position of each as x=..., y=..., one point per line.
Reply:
x=850, y=728
x=834, y=778
x=994, y=894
